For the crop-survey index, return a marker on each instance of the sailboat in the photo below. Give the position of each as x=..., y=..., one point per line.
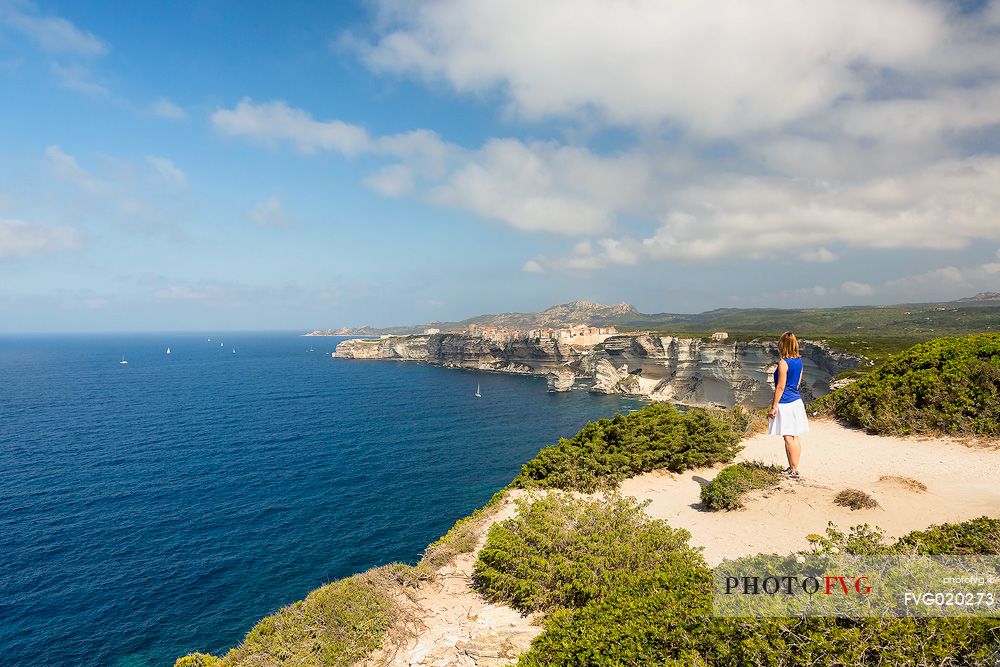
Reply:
x=168, y=350
x=478, y=395
x=234, y=350
x=123, y=362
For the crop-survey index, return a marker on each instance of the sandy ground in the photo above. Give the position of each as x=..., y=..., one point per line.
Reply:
x=455, y=626
x=962, y=482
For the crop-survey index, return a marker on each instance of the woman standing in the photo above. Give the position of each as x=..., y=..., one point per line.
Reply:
x=788, y=412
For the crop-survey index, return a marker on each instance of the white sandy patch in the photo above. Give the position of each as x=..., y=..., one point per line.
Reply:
x=962, y=483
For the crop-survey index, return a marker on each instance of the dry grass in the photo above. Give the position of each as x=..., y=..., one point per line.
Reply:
x=906, y=482
x=855, y=499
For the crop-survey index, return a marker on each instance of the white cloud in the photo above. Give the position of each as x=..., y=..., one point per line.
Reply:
x=537, y=187
x=532, y=266
x=53, y=34
x=78, y=78
x=269, y=213
x=393, y=181
x=20, y=239
x=818, y=255
x=164, y=108
x=719, y=68
x=272, y=123
x=65, y=168
x=166, y=171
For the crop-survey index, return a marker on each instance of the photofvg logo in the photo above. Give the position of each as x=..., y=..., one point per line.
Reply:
x=793, y=585
x=857, y=586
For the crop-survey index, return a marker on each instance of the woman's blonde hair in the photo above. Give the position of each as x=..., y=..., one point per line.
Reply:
x=788, y=345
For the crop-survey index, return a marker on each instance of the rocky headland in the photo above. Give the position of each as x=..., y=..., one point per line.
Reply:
x=689, y=371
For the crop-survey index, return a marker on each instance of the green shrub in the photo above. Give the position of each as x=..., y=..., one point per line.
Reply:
x=338, y=624
x=562, y=551
x=976, y=536
x=946, y=385
x=658, y=436
x=725, y=492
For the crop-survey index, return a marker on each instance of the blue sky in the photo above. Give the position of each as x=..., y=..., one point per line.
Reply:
x=251, y=165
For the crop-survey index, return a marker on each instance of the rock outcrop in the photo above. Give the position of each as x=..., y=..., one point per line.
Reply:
x=690, y=371
x=561, y=378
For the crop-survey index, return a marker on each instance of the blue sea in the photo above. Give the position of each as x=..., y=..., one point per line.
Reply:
x=163, y=506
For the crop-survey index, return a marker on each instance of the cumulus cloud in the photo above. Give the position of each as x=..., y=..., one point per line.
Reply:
x=531, y=266
x=269, y=213
x=718, y=68
x=166, y=171
x=20, y=239
x=748, y=129
x=164, y=108
x=272, y=123
x=947, y=205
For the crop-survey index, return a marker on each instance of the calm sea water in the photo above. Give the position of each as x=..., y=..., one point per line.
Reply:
x=160, y=507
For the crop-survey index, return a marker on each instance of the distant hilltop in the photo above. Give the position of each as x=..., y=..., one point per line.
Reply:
x=563, y=315
x=975, y=313
x=982, y=296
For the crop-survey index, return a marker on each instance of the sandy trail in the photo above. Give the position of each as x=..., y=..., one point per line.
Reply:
x=457, y=627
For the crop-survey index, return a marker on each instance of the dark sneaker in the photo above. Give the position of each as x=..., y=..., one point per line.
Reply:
x=792, y=474
x=786, y=472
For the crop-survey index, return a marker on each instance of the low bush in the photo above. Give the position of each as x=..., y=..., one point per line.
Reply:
x=338, y=624
x=976, y=536
x=658, y=436
x=726, y=491
x=856, y=499
x=563, y=552
x=946, y=385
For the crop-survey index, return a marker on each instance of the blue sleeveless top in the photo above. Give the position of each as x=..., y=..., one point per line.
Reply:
x=791, y=392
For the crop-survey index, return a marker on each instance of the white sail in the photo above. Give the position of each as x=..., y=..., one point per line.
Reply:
x=168, y=350
x=478, y=395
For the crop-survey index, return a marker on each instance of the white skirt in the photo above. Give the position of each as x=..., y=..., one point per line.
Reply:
x=790, y=419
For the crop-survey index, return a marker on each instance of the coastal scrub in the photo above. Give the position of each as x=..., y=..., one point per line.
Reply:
x=946, y=385
x=726, y=491
x=657, y=437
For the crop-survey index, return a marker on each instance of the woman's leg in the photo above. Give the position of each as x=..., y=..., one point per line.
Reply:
x=792, y=450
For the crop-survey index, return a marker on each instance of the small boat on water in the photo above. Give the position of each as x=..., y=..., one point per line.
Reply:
x=123, y=362
x=478, y=394
x=168, y=350
x=234, y=350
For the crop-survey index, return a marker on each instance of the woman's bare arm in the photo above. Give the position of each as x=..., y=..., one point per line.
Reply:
x=779, y=386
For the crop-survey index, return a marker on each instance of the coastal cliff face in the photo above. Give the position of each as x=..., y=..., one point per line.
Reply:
x=663, y=368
